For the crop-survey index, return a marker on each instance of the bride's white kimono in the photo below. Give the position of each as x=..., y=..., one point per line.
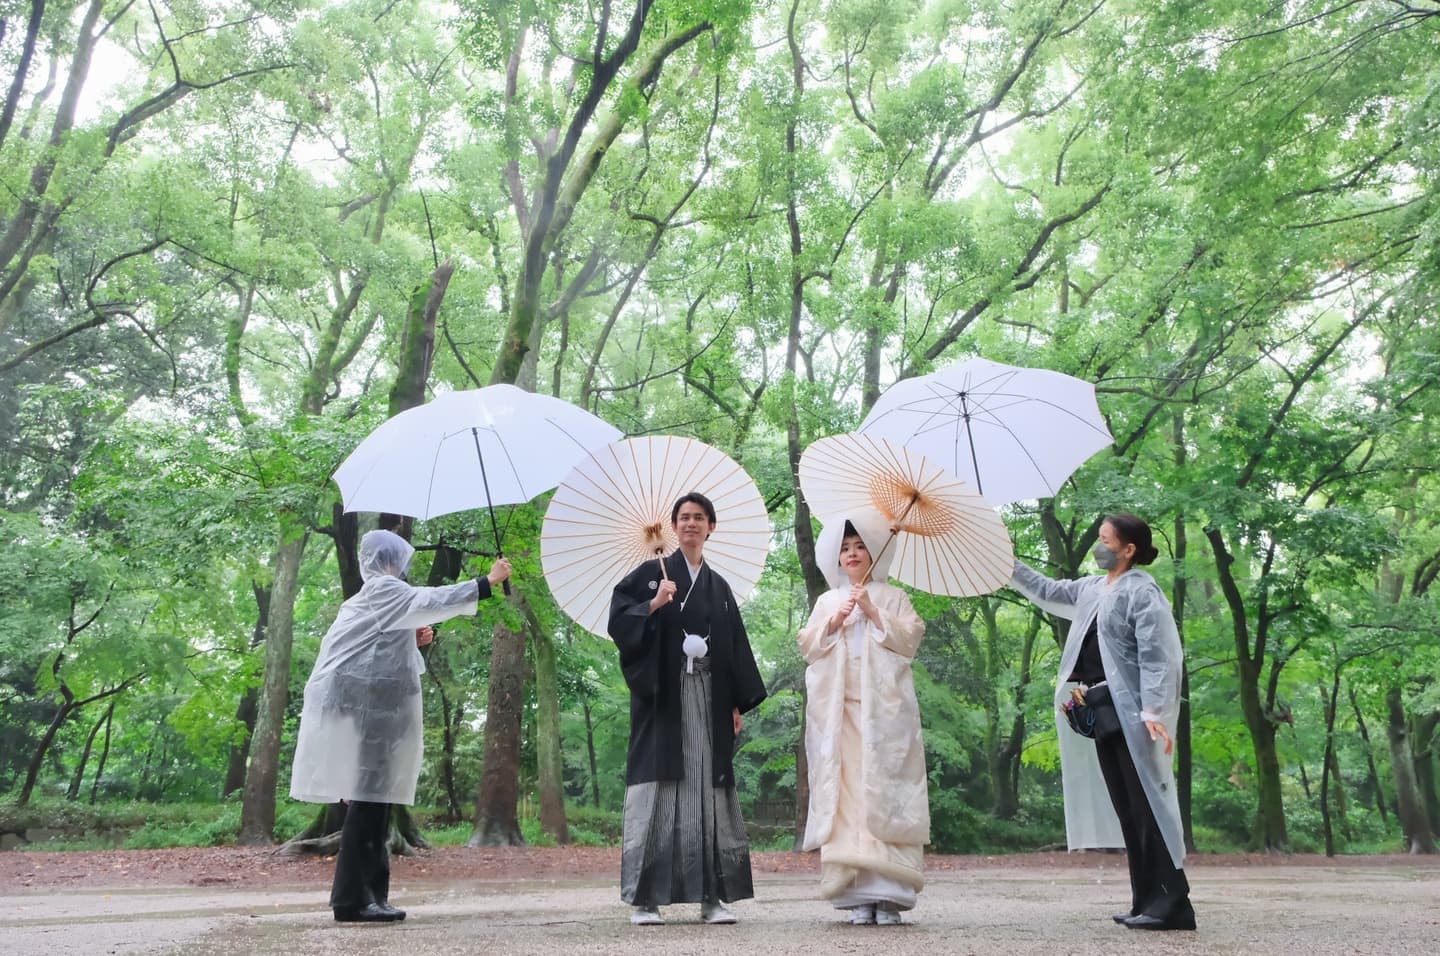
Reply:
x=869, y=803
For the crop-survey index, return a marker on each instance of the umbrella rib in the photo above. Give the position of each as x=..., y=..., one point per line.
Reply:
x=1023, y=398
x=505, y=450
x=623, y=498
x=430, y=484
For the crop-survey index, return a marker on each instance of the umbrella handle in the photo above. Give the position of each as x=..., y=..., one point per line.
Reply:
x=875, y=558
x=660, y=559
x=894, y=533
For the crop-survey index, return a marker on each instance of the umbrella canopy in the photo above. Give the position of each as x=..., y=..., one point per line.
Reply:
x=471, y=449
x=613, y=512
x=949, y=540
x=1012, y=433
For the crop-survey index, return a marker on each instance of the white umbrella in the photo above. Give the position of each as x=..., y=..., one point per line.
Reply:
x=1013, y=433
x=947, y=539
x=470, y=449
x=613, y=512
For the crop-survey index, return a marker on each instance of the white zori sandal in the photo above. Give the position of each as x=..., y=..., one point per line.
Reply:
x=887, y=914
x=646, y=916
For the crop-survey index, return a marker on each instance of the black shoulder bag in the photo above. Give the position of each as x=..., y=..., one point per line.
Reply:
x=1091, y=713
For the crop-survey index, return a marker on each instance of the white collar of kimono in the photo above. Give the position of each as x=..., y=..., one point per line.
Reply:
x=695, y=570
x=874, y=531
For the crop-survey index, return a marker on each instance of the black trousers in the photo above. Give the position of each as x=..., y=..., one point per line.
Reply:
x=1157, y=887
x=362, y=867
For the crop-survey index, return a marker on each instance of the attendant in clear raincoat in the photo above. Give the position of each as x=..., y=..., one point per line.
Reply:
x=869, y=801
x=360, y=728
x=1123, y=635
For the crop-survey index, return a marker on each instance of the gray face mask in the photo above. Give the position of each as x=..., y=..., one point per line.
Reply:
x=1104, y=557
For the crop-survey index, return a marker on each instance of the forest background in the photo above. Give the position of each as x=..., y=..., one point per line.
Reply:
x=236, y=236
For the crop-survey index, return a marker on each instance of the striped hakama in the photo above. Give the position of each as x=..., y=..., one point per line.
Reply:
x=684, y=840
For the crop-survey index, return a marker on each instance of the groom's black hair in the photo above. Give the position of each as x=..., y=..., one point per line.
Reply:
x=698, y=499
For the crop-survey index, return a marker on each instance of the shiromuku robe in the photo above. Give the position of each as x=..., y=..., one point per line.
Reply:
x=862, y=726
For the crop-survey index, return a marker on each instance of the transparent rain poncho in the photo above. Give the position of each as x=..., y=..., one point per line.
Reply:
x=1140, y=648
x=360, y=729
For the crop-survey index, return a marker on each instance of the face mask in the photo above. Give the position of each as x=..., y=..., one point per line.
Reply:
x=1104, y=557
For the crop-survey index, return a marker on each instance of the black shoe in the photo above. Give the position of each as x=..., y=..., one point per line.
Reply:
x=397, y=915
x=369, y=913
x=1121, y=917
x=1177, y=921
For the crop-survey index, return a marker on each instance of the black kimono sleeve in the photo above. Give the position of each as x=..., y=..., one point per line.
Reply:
x=633, y=629
x=747, y=689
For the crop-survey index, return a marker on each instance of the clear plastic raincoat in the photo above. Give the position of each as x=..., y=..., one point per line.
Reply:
x=360, y=729
x=1140, y=648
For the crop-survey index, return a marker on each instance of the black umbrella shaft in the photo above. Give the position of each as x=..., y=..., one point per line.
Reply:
x=489, y=506
x=970, y=436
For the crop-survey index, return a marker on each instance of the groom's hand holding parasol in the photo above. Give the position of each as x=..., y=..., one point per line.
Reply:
x=665, y=593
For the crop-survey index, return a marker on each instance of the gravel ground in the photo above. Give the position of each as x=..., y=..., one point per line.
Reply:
x=539, y=901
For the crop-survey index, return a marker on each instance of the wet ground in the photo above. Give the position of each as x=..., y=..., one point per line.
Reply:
x=1044, y=904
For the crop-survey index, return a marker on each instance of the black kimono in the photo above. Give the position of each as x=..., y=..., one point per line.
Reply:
x=684, y=840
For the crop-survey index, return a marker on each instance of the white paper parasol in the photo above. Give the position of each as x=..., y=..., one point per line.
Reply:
x=950, y=540
x=613, y=512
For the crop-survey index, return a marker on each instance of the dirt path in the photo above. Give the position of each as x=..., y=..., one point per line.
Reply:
x=232, y=901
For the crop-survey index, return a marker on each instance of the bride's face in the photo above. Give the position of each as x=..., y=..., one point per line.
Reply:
x=854, y=558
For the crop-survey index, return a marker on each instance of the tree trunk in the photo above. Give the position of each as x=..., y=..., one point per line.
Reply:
x=1330, y=698
x=104, y=753
x=1410, y=805
x=257, y=808
x=1423, y=747
x=22, y=68
x=417, y=345
x=37, y=759
x=496, y=822
x=447, y=745
x=1374, y=774
x=345, y=531
x=79, y=776
x=1180, y=592
x=322, y=836
x=590, y=749
x=240, y=752
x=1003, y=779
x=22, y=226
x=1327, y=762
x=1007, y=803
x=1268, y=832
x=160, y=780
x=144, y=773
x=802, y=776
x=245, y=712
x=550, y=769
